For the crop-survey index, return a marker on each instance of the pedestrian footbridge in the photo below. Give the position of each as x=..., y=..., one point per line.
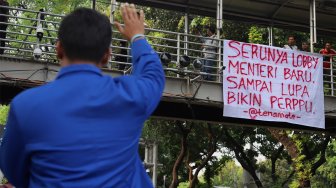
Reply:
x=187, y=96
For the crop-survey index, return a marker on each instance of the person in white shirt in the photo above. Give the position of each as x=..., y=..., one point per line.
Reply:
x=209, y=46
x=291, y=43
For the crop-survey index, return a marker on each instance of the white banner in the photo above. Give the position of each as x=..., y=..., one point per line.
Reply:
x=273, y=84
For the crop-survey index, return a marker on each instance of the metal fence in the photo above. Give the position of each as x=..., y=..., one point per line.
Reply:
x=182, y=54
x=329, y=77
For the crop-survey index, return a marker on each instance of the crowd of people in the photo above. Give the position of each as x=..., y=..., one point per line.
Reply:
x=328, y=52
x=210, y=50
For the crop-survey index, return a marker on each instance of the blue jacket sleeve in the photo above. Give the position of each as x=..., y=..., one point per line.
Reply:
x=13, y=160
x=147, y=80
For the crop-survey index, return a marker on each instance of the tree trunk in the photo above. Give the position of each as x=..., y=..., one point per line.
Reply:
x=288, y=143
x=274, y=158
x=294, y=152
x=179, y=160
x=305, y=183
x=194, y=180
x=322, y=158
x=190, y=169
x=287, y=179
x=256, y=180
x=291, y=148
x=245, y=161
x=177, y=163
x=274, y=178
x=212, y=148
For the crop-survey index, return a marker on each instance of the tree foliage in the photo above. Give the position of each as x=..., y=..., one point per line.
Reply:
x=230, y=175
x=283, y=170
x=326, y=174
x=3, y=114
x=54, y=6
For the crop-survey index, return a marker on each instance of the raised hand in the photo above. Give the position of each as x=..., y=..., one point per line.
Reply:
x=133, y=23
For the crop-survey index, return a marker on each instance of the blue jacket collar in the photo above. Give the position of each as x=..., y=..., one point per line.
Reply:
x=79, y=68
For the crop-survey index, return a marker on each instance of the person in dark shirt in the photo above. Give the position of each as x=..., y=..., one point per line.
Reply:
x=305, y=47
x=3, y=25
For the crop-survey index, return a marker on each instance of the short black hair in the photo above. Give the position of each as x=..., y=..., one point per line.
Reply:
x=212, y=28
x=289, y=36
x=85, y=34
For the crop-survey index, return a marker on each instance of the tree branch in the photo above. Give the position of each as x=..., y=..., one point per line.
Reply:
x=274, y=158
x=242, y=158
x=322, y=159
x=179, y=160
x=211, y=148
x=283, y=138
x=288, y=178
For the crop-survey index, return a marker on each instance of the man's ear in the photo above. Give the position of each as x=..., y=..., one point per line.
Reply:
x=106, y=57
x=59, y=50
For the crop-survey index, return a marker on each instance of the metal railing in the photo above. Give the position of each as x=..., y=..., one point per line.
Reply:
x=21, y=41
x=184, y=49
x=329, y=75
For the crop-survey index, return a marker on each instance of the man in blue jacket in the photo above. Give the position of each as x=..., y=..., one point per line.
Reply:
x=82, y=130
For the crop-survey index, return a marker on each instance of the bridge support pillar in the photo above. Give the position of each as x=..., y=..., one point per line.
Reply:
x=113, y=7
x=313, y=34
x=186, y=31
x=270, y=35
x=94, y=4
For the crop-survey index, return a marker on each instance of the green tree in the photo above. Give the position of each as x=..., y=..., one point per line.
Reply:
x=22, y=27
x=273, y=151
x=4, y=109
x=185, y=149
x=203, y=141
x=169, y=137
x=53, y=6
x=258, y=35
x=238, y=31
x=308, y=153
x=282, y=169
x=230, y=175
x=326, y=174
x=236, y=140
x=3, y=114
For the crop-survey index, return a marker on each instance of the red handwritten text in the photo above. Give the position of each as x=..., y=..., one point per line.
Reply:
x=254, y=113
